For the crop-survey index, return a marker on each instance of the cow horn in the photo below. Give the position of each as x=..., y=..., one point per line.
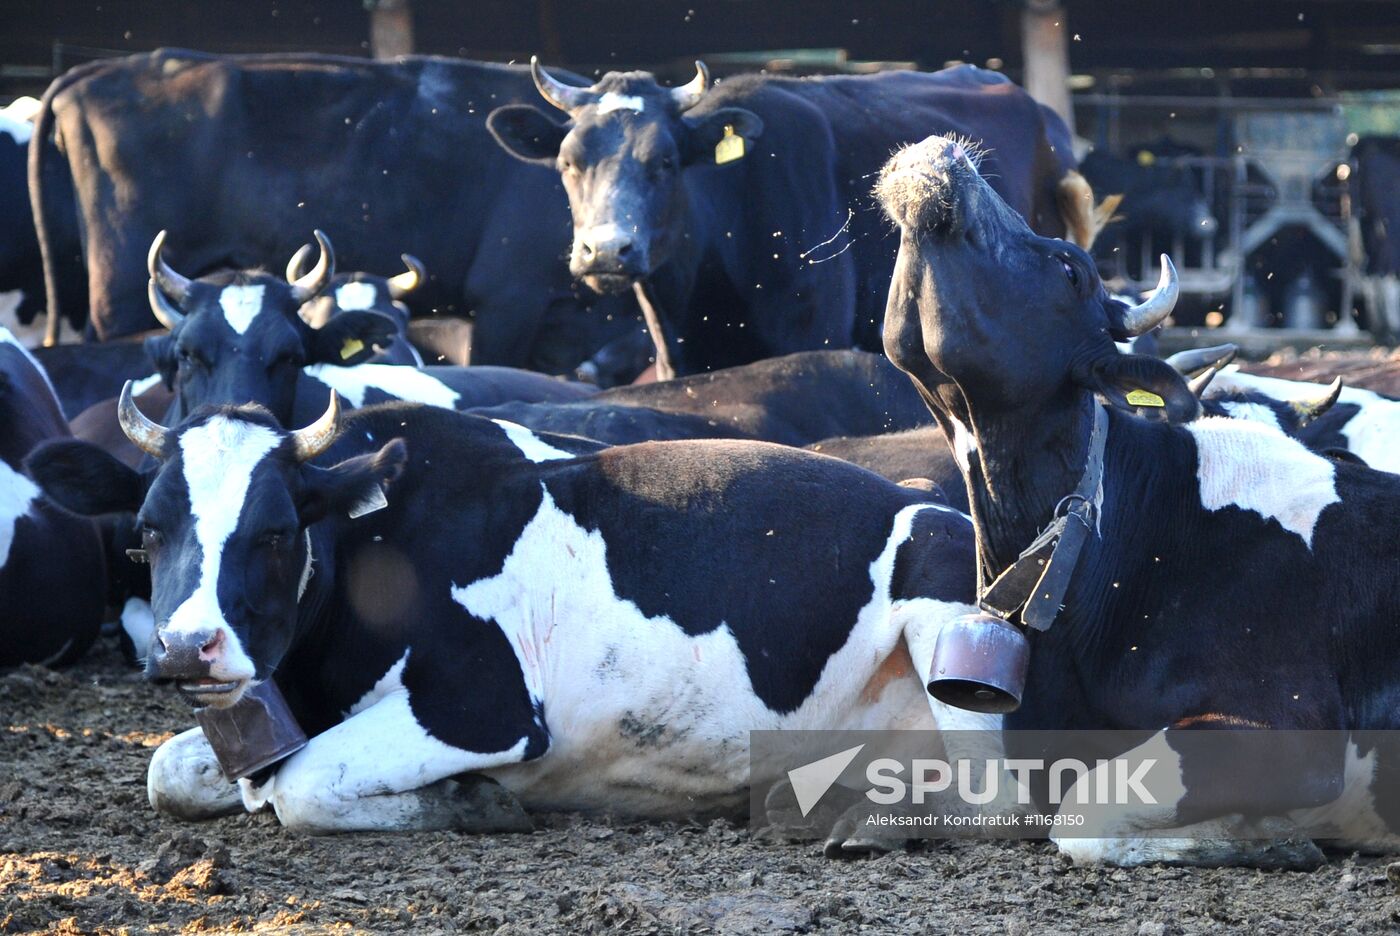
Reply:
x=145, y=433
x=688, y=95
x=173, y=288
x=405, y=283
x=1198, y=384
x=1193, y=362
x=1151, y=312
x=317, y=437
x=565, y=97
x=296, y=267
x=307, y=286
x=1308, y=410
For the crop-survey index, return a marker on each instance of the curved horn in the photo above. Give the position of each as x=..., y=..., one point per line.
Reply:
x=317, y=437
x=1308, y=410
x=164, y=311
x=689, y=94
x=296, y=267
x=1151, y=312
x=405, y=283
x=1193, y=362
x=304, y=287
x=145, y=433
x=565, y=97
x=1198, y=384
x=173, y=286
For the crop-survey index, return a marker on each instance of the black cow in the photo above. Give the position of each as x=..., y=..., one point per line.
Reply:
x=51, y=566
x=1375, y=163
x=1231, y=578
x=234, y=153
x=1163, y=203
x=741, y=215
x=796, y=399
x=593, y=628
x=21, y=267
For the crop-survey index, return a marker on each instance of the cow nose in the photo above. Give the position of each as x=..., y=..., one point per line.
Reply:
x=606, y=245
x=185, y=655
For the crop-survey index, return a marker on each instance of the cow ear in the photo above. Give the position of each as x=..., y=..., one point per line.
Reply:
x=527, y=132
x=161, y=350
x=83, y=479
x=354, y=487
x=350, y=338
x=703, y=141
x=1144, y=386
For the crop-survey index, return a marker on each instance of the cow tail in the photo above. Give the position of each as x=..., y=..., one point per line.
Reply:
x=1083, y=219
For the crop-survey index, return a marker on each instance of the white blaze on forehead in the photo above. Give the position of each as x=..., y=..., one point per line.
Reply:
x=356, y=297
x=17, y=494
x=218, y=461
x=612, y=101
x=241, y=304
x=398, y=381
x=533, y=447
x=1253, y=467
x=1252, y=412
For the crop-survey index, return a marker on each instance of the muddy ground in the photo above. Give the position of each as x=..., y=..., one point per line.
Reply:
x=80, y=851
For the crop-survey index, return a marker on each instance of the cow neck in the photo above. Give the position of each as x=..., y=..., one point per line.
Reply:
x=1024, y=467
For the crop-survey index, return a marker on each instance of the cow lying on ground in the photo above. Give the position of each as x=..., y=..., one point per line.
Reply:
x=796, y=399
x=51, y=568
x=594, y=628
x=1231, y=578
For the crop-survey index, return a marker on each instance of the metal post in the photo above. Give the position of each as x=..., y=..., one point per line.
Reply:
x=390, y=28
x=1045, y=50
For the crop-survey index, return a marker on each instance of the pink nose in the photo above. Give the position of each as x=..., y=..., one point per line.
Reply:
x=212, y=648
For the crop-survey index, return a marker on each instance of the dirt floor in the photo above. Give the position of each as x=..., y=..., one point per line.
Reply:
x=80, y=851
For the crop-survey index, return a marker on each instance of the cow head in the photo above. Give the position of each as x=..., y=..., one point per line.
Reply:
x=224, y=527
x=621, y=155
x=982, y=308
x=358, y=292
x=239, y=337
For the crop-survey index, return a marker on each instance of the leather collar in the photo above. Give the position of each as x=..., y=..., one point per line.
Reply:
x=1035, y=584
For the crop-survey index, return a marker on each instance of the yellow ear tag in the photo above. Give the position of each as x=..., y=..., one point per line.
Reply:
x=730, y=147
x=352, y=347
x=1146, y=158
x=1145, y=398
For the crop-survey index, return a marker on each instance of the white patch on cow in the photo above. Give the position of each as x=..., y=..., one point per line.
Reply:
x=218, y=461
x=356, y=297
x=531, y=445
x=1252, y=412
x=964, y=445
x=1256, y=468
x=1371, y=434
x=360, y=774
x=306, y=570
x=17, y=495
x=19, y=130
x=184, y=780
x=644, y=718
x=611, y=101
x=7, y=337
x=1352, y=820
x=139, y=387
x=139, y=622
x=397, y=381
x=241, y=304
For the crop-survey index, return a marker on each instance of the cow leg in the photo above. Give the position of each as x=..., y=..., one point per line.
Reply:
x=379, y=770
x=184, y=780
x=1203, y=823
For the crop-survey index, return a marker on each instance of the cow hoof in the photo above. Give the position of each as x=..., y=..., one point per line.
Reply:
x=786, y=821
x=481, y=805
x=854, y=836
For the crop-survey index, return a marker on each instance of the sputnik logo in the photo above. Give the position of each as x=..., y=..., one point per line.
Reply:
x=811, y=781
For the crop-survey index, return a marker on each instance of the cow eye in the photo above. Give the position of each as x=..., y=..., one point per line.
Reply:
x=150, y=538
x=667, y=163
x=1070, y=272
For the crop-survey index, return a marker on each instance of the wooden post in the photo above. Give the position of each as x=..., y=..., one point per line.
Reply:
x=1045, y=50
x=390, y=28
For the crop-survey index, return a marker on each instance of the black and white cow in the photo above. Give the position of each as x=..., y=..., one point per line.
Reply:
x=1233, y=578
x=241, y=338
x=51, y=567
x=365, y=292
x=594, y=628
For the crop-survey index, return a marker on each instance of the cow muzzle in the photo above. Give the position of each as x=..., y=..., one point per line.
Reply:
x=608, y=258
x=195, y=662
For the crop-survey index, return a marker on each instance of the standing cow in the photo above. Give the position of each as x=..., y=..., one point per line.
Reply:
x=1230, y=578
x=594, y=628
x=740, y=214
